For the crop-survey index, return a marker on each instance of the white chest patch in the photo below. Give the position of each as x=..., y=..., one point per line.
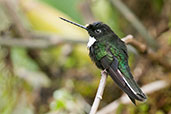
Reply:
x=91, y=41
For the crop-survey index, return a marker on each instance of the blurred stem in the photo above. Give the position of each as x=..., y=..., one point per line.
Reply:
x=33, y=43
x=136, y=23
x=10, y=8
x=99, y=93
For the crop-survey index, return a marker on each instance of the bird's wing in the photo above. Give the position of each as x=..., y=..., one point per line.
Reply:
x=111, y=64
x=124, y=69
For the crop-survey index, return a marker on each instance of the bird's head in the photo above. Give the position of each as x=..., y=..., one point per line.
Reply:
x=98, y=30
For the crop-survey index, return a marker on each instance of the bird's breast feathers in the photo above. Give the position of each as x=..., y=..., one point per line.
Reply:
x=91, y=41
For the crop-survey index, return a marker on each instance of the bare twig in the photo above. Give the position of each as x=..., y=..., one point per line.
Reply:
x=138, y=45
x=135, y=22
x=50, y=41
x=27, y=43
x=148, y=52
x=99, y=93
x=149, y=88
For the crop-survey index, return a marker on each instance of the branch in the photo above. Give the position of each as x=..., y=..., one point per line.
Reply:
x=148, y=89
x=99, y=93
x=50, y=41
x=142, y=48
x=154, y=57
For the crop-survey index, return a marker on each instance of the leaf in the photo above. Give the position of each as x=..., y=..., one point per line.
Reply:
x=27, y=69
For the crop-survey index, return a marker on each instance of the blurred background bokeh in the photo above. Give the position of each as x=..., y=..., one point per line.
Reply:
x=44, y=62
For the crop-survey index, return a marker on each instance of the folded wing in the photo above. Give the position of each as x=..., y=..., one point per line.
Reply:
x=127, y=84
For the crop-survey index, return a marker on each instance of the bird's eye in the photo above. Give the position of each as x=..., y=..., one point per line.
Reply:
x=98, y=31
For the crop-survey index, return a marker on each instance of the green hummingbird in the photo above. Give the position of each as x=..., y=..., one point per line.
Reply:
x=109, y=53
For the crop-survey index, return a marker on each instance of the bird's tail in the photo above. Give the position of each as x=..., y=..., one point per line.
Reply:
x=128, y=85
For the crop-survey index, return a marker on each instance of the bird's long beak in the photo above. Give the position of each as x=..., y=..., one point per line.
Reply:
x=74, y=23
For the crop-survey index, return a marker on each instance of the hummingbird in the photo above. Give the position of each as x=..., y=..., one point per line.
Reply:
x=109, y=53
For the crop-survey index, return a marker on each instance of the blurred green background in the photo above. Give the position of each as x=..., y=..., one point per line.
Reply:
x=44, y=62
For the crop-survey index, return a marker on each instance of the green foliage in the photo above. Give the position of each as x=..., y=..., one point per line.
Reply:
x=131, y=109
x=61, y=97
x=65, y=102
x=120, y=109
x=8, y=93
x=160, y=112
x=143, y=108
x=84, y=87
x=103, y=10
x=75, y=59
x=20, y=59
x=157, y=4
x=169, y=40
x=27, y=69
x=69, y=7
x=8, y=86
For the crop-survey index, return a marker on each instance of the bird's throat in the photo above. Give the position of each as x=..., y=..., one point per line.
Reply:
x=91, y=41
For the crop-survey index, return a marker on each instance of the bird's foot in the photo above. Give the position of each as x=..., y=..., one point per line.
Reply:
x=104, y=72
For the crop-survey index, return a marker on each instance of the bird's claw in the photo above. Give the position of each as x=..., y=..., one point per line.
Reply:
x=104, y=72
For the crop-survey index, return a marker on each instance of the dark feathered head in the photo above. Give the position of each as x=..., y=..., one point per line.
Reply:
x=98, y=29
